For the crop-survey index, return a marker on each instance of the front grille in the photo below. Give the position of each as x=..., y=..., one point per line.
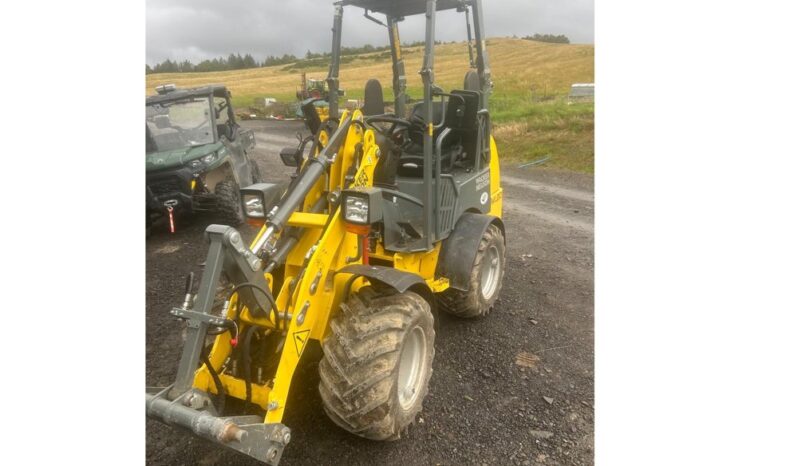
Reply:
x=163, y=186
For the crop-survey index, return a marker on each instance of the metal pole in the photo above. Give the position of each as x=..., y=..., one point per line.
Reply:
x=332, y=76
x=483, y=65
x=428, y=76
x=399, y=79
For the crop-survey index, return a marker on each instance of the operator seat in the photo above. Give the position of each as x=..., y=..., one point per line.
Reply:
x=388, y=161
x=373, y=103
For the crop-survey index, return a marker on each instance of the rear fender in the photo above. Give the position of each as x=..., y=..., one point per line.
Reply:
x=459, y=249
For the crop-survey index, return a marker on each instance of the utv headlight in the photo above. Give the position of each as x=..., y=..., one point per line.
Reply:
x=257, y=200
x=362, y=206
x=208, y=159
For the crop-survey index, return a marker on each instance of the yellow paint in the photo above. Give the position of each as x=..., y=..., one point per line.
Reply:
x=495, y=181
x=307, y=220
x=330, y=246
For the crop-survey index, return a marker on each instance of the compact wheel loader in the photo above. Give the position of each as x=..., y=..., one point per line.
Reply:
x=389, y=218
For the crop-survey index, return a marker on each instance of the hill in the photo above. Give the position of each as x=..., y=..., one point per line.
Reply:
x=532, y=118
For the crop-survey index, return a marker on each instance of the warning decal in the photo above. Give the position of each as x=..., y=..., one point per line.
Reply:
x=300, y=338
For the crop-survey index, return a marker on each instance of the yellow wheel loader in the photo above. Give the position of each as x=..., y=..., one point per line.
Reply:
x=390, y=217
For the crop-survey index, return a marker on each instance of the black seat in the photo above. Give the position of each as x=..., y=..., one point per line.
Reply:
x=373, y=102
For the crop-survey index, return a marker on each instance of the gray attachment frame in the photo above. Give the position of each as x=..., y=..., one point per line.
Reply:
x=246, y=434
x=228, y=253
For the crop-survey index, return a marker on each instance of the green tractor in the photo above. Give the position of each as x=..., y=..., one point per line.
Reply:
x=197, y=155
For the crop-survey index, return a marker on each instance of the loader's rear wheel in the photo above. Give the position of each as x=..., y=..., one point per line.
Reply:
x=485, y=282
x=228, y=202
x=377, y=363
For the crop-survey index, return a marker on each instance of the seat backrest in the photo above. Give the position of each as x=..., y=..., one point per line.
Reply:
x=373, y=103
x=471, y=81
x=462, y=111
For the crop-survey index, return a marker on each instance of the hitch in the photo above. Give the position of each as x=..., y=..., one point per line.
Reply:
x=194, y=412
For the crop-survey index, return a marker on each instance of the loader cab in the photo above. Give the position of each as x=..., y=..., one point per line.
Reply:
x=435, y=148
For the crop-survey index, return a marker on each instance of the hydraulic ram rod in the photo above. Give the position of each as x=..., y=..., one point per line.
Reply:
x=314, y=169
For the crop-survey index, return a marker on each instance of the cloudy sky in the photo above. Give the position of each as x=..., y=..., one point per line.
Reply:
x=199, y=29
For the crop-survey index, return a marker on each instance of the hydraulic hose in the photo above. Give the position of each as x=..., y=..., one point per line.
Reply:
x=222, y=395
x=247, y=361
x=268, y=295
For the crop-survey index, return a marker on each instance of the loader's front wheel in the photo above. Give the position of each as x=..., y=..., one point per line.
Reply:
x=485, y=282
x=377, y=363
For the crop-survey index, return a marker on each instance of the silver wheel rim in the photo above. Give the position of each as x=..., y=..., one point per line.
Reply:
x=491, y=265
x=411, y=367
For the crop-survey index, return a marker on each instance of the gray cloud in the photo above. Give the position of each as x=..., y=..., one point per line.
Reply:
x=199, y=29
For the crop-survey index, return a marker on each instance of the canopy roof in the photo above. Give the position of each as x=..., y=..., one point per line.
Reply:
x=217, y=90
x=395, y=8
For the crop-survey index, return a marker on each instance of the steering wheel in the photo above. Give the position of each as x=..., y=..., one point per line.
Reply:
x=394, y=120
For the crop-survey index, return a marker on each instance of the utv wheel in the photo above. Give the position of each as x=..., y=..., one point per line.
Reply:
x=377, y=363
x=228, y=202
x=255, y=171
x=485, y=282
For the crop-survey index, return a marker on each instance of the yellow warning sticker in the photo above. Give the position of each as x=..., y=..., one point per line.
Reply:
x=300, y=338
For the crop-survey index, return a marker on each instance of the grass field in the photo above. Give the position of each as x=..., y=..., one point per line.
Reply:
x=531, y=115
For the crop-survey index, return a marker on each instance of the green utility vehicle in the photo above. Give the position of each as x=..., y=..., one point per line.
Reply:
x=197, y=155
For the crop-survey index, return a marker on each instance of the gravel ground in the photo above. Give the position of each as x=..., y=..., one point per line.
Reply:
x=513, y=388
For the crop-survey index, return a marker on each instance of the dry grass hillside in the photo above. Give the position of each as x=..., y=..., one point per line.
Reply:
x=532, y=118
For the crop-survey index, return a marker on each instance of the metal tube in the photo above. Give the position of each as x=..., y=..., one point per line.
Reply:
x=483, y=65
x=332, y=76
x=293, y=198
x=399, y=79
x=428, y=76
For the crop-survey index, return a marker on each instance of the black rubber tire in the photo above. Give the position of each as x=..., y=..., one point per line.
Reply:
x=472, y=303
x=228, y=202
x=255, y=171
x=360, y=369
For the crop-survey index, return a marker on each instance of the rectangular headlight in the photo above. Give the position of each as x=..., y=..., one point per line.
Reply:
x=257, y=200
x=253, y=206
x=356, y=210
x=362, y=205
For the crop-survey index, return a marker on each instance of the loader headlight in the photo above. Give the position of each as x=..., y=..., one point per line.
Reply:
x=356, y=210
x=362, y=206
x=257, y=200
x=253, y=206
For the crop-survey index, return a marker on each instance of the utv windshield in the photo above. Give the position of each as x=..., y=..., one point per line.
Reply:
x=178, y=124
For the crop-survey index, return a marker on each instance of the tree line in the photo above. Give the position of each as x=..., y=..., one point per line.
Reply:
x=236, y=62
x=560, y=39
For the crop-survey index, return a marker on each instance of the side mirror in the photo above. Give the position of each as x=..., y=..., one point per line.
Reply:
x=291, y=156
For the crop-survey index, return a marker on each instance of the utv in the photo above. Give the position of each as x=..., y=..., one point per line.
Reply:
x=197, y=155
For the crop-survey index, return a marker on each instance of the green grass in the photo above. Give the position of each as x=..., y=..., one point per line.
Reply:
x=529, y=129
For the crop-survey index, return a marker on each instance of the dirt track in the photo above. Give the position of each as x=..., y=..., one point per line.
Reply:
x=483, y=407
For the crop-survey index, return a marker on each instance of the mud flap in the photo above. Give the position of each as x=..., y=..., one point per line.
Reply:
x=397, y=279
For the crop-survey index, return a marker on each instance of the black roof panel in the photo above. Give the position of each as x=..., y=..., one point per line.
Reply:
x=402, y=7
x=218, y=90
